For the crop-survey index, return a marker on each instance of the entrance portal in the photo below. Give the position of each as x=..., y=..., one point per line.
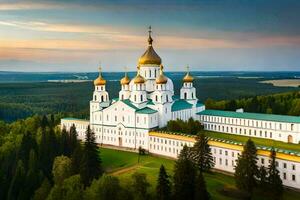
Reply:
x=290, y=139
x=120, y=141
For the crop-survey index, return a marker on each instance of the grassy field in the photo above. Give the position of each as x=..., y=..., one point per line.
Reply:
x=124, y=164
x=257, y=141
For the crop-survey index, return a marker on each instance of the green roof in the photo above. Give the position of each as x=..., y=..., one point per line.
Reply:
x=150, y=102
x=255, y=116
x=199, y=104
x=181, y=104
x=128, y=102
x=72, y=118
x=146, y=110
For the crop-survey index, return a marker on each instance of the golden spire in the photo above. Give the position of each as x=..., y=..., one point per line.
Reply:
x=138, y=79
x=161, y=79
x=100, y=80
x=150, y=40
x=150, y=56
x=188, y=78
x=125, y=80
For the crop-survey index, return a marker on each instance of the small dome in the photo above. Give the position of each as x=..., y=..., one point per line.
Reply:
x=138, y=79
x=125, y=80
x=150, y=56
x=161, y=79
x=188, y=78
x=100, y=80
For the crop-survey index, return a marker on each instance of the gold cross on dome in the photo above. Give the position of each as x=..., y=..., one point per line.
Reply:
x=187, y=68
x=150, y=30
x=100, y=69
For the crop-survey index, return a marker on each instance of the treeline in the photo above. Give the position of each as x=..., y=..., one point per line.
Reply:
x=284, y=104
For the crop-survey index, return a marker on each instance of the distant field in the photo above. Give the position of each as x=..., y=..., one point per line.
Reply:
x=284, y=82
x=124, y=164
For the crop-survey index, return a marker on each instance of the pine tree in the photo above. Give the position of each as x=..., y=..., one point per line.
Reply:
x=246, y=170
x=163, y=188
x=76, y=159
x=184, y=176
x=274, y=180
x=262, y=175
x=73, y=141
x=64, y=142
x=201, y=192
x=201, y=154
x=28, y=143
x=90, y=167
x=33, y=176
x=17, y=183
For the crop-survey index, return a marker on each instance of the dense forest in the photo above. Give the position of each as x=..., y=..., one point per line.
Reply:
x=20, y=100
x=284, y=104
x=40, y=161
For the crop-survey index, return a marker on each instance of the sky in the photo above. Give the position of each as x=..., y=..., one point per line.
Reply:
x=207, y=35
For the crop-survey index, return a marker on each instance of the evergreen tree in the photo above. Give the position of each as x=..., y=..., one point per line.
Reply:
x=90, y=167
x=33, y=177
x=262, y=175
x=246, y=170
x=44, y=122
x=17, y=183
x=163, y=188
x=64, y=142
x=73, y=141
x=201, y=154
x=140, y=186
x=76, y=159
x=27, y=143
x=274, y=180
x=184, y=176
x=201, y=192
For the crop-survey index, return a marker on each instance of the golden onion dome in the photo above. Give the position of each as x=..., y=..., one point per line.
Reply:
x=161, y=79
x=188, y=78
x=125, y=80
x=138, y=79
x=100, y=80
x=150, y=56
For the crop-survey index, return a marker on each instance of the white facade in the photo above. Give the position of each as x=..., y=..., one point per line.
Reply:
x=147, y=102
x=274, y=127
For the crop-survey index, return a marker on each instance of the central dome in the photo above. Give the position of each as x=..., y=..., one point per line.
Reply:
x=150, y=56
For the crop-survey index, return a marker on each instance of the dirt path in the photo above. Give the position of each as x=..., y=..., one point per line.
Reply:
x=125, y=170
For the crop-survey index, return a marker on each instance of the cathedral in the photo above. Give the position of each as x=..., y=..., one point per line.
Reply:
x=147, y=102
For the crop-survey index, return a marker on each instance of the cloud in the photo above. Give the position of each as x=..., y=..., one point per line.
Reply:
x=28, y=5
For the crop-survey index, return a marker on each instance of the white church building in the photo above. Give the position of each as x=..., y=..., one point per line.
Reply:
x=147, y=102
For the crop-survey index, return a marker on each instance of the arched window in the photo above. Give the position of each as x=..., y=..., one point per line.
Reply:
x=150, y=73
x=155, y=73
x=141, y=97
x=122, y=96
x=95, y=98
x=192, y=95
x=134, y=97
x=102, y=98
x=185, y=95
x=156, y=98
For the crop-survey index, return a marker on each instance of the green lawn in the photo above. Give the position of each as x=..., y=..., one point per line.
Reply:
x=257, y=141
x=124, y=164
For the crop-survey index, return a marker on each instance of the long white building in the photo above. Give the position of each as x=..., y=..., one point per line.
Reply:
x=147, y=102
